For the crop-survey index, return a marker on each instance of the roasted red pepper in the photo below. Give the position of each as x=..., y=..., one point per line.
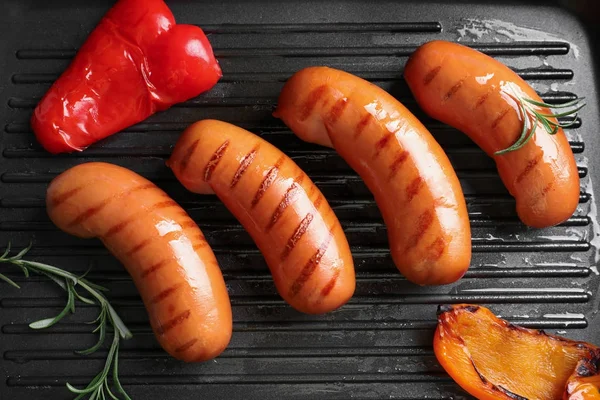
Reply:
x=137, y=61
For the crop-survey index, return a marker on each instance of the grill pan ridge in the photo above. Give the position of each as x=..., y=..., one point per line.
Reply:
x=380, y=344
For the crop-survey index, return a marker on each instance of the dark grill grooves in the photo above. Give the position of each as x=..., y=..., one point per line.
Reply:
x=380, y=343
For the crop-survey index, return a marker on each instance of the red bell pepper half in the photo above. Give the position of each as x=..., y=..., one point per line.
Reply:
x=137, y=61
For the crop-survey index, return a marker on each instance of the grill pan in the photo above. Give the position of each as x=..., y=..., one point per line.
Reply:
x=380, y=344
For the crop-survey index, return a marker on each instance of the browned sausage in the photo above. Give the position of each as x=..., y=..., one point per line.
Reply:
x=161, y=247
x=481, y=97
x=284, y=212
x=409, y=174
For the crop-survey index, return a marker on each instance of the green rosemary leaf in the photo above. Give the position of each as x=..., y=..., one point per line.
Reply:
x=100, y=316
x=556, y=124
x=523, y=140
x=546, y=105
x=9, y=281
x=40, y=267
x=48, y=322
x=563, y=114
x=82, y=276
x=101, y=320
x=94, y=395
x=25, y=270
x=99, y=327
x=21, y=253
x=6, y=252
x=523, y=134
x=531, y=132
x=79, y=397
x=83, y=299
x=545, y=123
x=570, y=123
x=97, y=381
x=118, y=323
x=110, y=393
x=94, y=285
x=116, y=376
x=71, y=300
x=59, y=281
x=99, y=343
x=89, y=388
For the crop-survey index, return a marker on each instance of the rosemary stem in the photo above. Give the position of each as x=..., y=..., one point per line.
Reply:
x=108, y=317
x=533, y=110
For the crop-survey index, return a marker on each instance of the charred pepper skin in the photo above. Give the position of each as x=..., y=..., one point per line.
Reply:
x=137, y=61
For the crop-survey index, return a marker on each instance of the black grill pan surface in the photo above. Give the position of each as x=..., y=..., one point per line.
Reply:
x=380, y=344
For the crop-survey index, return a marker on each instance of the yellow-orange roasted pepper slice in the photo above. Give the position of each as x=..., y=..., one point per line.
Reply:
x=493, y=359
x=585, y=381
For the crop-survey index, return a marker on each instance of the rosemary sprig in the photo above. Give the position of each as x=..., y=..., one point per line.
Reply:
x=531, y=115
x=99, y=387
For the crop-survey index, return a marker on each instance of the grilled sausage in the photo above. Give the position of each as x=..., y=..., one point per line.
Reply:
x=284, y=212
x=411, y=178
x=479, y=96
x=161, y=247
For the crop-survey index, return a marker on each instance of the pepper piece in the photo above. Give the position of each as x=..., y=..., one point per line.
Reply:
x=584, y=384
x=137, y=61
x=493, y=359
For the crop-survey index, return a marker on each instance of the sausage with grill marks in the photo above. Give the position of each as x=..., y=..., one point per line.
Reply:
x=478, y=95
x=411, y=178
x=284, y=212
x=161, y=247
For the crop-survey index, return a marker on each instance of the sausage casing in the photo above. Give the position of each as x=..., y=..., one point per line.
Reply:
x=411, y=178
x=161, y=247
x=282, y=210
